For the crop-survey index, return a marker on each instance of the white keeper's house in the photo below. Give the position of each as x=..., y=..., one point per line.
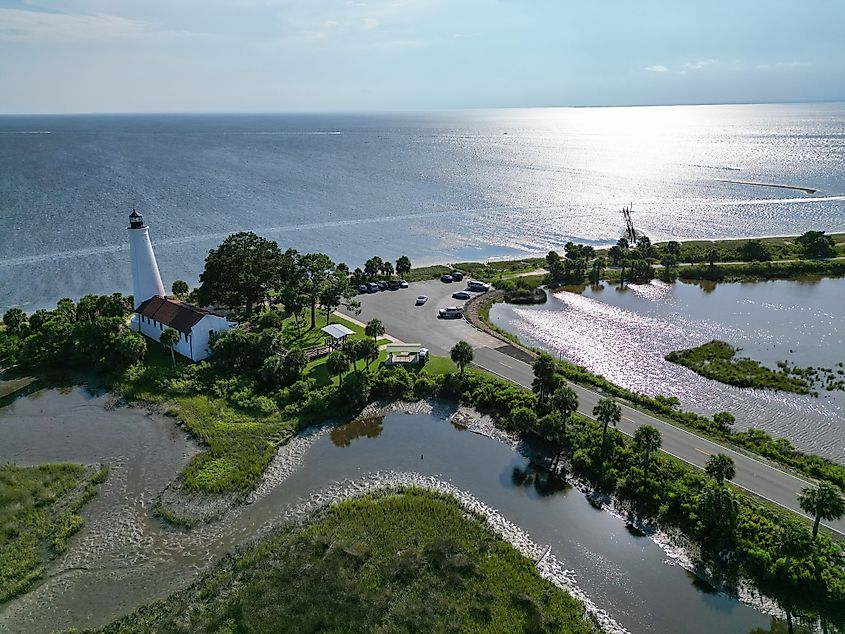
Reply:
x=155, y=311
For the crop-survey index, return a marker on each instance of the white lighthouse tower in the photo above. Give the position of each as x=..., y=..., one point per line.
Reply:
x=146, y=280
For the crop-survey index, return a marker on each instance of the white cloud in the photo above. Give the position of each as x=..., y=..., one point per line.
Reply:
x=657, y=68
x=370, y=23
x=784, y=65
x=704, y=63
x=38, y=26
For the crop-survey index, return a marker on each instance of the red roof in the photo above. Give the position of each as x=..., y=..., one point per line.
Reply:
x=172, y=312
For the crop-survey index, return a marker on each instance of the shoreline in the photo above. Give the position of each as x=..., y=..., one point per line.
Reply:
x=806, y=190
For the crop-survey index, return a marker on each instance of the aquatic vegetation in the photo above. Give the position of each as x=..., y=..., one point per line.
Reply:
x=717, y=360
x=39, y=512
x=411, y=561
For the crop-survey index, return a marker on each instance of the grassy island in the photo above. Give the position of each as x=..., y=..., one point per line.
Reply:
x=39, y=512
x=413, y=561
x=717, y=360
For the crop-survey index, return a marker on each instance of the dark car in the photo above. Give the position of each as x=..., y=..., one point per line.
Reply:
x=382, y=286
x=393, y=285
x=363, y=288
x=461, y=295
x=457, y=276
x=446, y=278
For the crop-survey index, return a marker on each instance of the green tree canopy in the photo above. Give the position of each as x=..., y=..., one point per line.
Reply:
x=815, y=244
x=720, y=467
x=461, y=354
x=545, y=377
x=647, y=440
x=240, y=272
x=374, y=329
x=169, y=338
x=179, y=289
x=403, y=266
x=823, y=502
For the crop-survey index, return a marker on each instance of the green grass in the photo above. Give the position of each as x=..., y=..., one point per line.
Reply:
x=305, y=336
x=413, y=561
x=39, y=512
x=717, y=360
x=239, y=446
x=437, y=365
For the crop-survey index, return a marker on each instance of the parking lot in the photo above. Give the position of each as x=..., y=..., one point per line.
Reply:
x=419, y=324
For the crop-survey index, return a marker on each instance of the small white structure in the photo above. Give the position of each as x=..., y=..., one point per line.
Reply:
x=336, y=335
x=154, y=311
x=405, y=354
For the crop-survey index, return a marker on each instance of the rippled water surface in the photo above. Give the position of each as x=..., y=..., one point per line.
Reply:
x=624, y=334
x=445, y=186
x=123, y=557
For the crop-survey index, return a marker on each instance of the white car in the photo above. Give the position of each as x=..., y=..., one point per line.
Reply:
x=422, y=299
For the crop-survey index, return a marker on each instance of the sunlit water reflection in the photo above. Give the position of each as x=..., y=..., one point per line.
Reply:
x=623, y=334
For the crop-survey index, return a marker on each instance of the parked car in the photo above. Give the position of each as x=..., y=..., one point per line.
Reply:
x=423, y=355
x=475, y=285
x=461, y=295
x=373, y=287
x=393, y=285
x=363, y=288
x=452, y=312
x=457, y=276
x=446, y=278
x=403, y=284
x=382, y=286
x=422, y=299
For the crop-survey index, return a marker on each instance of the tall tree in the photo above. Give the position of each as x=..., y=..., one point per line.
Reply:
x=565, y=401
x=720, y=467
x=374, y=329
x=403, y=266
x=352, y=350
x=316, y=269
x=240, y=272
x=368, y=350
x=607, y=411
x=169, y=338
x=387, y=269
x=461, y=354
x=815, y=244
x=372, y=267
x=337, y=363
x=823, y=501
x=545, y=379
x=599, y=266
x=647, y=439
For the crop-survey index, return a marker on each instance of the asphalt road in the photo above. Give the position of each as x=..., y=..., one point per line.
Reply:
x=419, y=324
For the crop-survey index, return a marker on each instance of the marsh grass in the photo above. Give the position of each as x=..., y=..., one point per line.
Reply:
x=717, y=360
x=39, y=512
x=411, y=561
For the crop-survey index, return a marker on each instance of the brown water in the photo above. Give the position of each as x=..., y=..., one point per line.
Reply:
x=123, y=558
x=623, y=334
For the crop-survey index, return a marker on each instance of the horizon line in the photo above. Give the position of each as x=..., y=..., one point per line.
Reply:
x=411, y=110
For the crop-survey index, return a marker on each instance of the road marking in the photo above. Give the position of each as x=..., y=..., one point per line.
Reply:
x=706, y=453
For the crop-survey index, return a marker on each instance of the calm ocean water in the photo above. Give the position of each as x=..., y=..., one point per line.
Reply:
x=437, y=186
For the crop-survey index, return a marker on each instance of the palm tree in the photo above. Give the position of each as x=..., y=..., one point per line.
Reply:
x=337, y=363
x=461, y=354
x=647, y=439
x=565, y=401
x=403, y=266
x=720, y=467
x=545, y=378
x=607, y=411
x=351, y=348
x=368, y=350
x=169, y=338
x=599, y=265
x=374, y=329
x=824, y=501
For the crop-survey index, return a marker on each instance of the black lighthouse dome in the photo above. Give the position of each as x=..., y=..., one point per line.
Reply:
x=136, y=221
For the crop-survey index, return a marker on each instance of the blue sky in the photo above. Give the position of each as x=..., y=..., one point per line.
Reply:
x=372, y=55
